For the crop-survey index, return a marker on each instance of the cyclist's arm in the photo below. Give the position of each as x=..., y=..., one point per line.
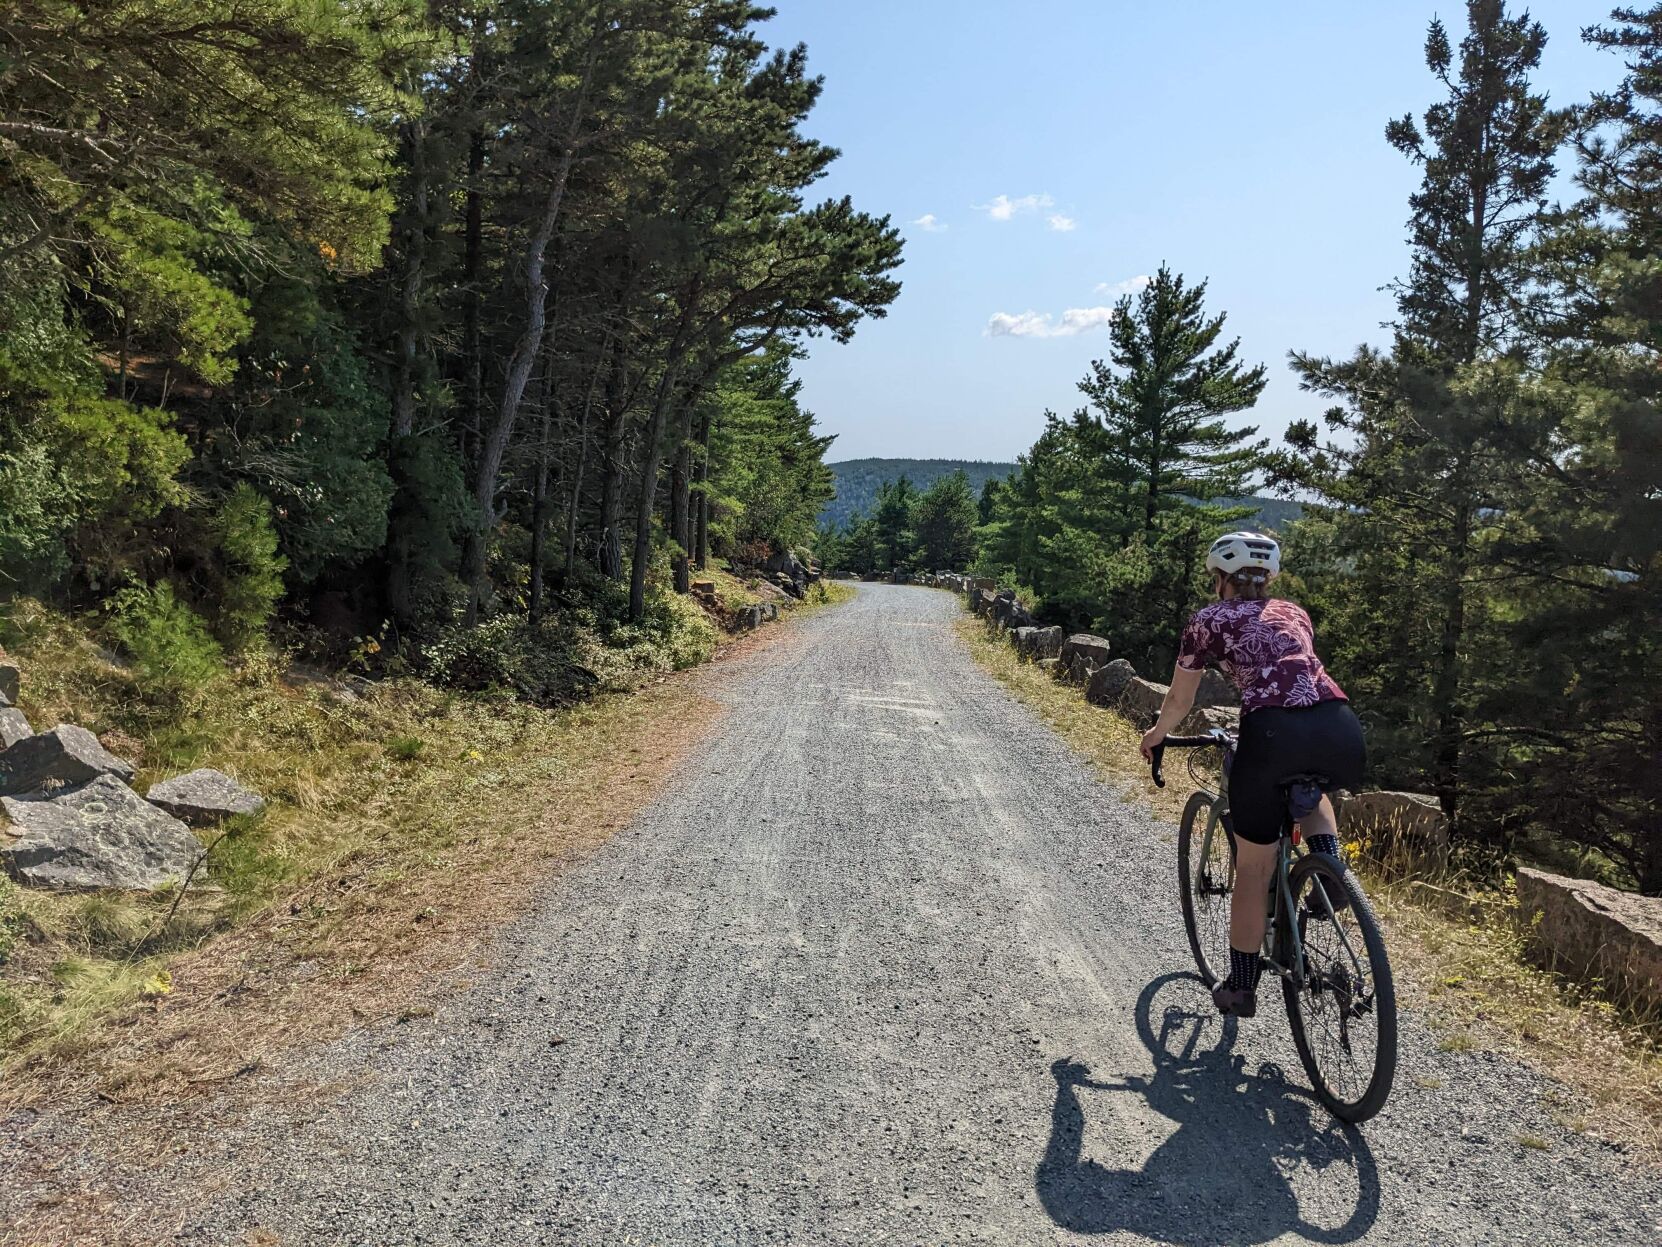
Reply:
x=1180, y=699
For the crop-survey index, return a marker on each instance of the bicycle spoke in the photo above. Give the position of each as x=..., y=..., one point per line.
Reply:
x=1337, y=999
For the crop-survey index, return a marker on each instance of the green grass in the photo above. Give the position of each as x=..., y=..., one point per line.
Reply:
x=405, y=748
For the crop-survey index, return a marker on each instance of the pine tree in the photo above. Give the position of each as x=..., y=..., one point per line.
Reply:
x=892, y=522
x=1578, y=715
x=1414, y=486
x=1157, y=405
x=944, y=523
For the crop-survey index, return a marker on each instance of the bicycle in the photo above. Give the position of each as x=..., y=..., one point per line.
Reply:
x=1336, y=999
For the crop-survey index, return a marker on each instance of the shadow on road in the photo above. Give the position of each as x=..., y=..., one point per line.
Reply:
x=1223, y=1176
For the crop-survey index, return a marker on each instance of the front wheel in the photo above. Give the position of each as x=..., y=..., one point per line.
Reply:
x=1206, y=883
x=1344, y=1011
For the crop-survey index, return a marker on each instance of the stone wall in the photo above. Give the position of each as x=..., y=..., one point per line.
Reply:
x=1584, y=929
x=1590, y=931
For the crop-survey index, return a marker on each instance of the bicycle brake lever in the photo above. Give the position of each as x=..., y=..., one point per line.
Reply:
x=1159, y=752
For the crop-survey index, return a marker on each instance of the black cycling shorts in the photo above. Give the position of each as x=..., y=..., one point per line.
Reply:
x=1278, y=742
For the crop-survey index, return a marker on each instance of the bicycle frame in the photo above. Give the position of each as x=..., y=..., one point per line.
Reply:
x=1282, y=894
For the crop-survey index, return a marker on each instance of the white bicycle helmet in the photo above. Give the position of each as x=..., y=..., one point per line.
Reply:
x=1235, y=552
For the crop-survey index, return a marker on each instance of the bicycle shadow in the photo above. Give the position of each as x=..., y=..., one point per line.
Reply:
x=1222, y=1177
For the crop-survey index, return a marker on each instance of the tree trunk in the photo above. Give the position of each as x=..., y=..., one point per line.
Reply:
x=539, y=490
x=609, y=557
x=574, y=497
x=679, y=527
x=646, y=504
x=702, y=502
x=473, y=260
x=415, y=256
x=1445, y=693
x=494, y=442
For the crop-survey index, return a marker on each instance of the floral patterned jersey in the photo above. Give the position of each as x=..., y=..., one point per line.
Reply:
x=1267, y=647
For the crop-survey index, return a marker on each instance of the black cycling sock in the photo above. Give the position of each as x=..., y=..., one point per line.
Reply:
x=1328, y=844
x=1243, y=971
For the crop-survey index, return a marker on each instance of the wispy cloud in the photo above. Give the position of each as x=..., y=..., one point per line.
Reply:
x=1129, y=286
x=929, y=223
x=1074, y=321
x=1063, y=224
x=1004, y=208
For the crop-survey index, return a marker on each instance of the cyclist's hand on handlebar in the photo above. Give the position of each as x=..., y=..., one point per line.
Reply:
x=1152, y=738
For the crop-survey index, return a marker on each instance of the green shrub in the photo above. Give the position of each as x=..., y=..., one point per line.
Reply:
x=253, y=582
x=542, y=662
x=675, y=634
x=169, y=644
x=405, y=748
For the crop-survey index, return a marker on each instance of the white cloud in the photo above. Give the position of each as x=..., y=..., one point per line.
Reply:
x=1003, y=208
x=1074, y=321
x=929, y=223
x=1129, y=286
x=1063, y=224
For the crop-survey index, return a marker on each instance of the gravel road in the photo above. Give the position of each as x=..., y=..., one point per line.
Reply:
x=887, y=966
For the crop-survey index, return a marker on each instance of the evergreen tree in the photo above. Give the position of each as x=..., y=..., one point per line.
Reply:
x=1157, y=406
x=892, y=525
x=1413, y=487
x=1577, y=719
x=944, y=523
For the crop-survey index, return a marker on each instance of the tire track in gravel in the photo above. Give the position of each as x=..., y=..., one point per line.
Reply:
x=886, y=965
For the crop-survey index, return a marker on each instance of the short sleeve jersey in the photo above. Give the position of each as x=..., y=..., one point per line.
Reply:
x=1267, y=647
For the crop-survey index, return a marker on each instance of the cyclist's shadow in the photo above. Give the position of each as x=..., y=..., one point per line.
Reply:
x=1222, y=1176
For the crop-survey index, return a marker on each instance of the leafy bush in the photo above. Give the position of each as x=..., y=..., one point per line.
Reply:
x=541, y=662
x=170, y=646
x=675, y=634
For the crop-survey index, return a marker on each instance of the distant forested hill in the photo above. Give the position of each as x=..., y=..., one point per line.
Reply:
x=858, y=479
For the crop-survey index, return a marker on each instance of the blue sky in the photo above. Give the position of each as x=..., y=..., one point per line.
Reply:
x=1242, y=143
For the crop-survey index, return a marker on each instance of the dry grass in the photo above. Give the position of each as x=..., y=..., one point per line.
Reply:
x=1458, y=954
x=377, y=869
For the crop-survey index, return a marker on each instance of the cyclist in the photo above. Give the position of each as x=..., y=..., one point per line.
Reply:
x=1294, y=720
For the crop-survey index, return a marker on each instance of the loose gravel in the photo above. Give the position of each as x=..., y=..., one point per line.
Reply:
x=886, y=965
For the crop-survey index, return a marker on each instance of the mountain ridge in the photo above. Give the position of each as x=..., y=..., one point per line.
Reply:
x=858, y=481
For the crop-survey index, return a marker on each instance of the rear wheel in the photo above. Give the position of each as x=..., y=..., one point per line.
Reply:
x=1344, y=1016
x=1206, y=882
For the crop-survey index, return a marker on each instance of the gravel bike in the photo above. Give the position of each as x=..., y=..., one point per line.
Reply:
x=1322, y=938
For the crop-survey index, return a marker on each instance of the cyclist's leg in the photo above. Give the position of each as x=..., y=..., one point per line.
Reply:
x=1254, y=867
x=1330, y=736
x=1320, y=829
x=1258, y=817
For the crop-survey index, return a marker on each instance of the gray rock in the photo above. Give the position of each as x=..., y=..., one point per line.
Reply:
x=1022, y=639
x=13, y=727
x=1140, y=701
x=1082, y=653
x=1008, y=613
x=67, y=754
x=98, y=834
x=1108, y=682
x=204, y=796
x=1047, y=642
x=1595, y=932
x=1395, y=826
x=1215, y=690
x=10, y=680
x=1202, y=719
